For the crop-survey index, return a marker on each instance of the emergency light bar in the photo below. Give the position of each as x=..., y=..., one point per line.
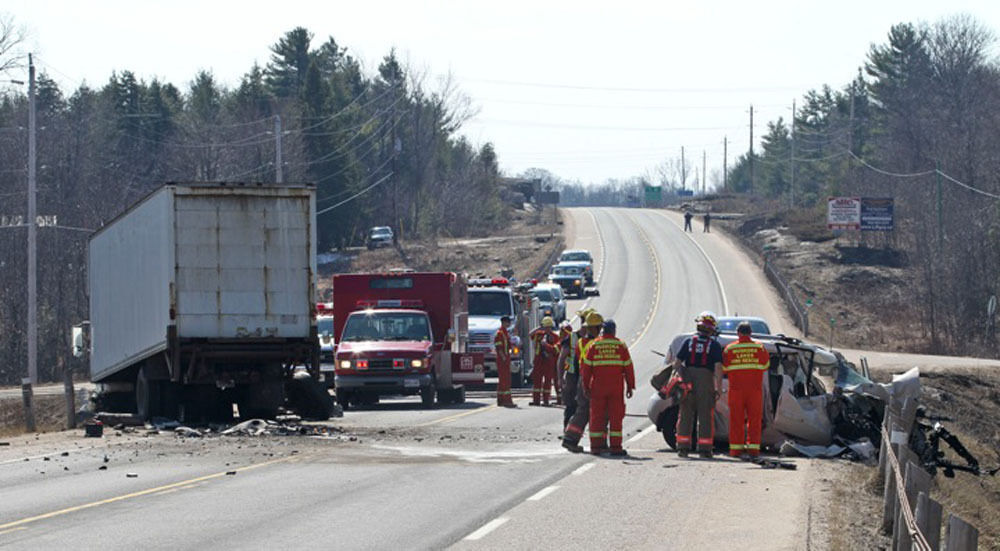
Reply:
x=495, y=282
x=390, y=303
x=323, y=307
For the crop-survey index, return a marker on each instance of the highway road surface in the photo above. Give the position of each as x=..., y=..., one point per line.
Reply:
x=473, y=476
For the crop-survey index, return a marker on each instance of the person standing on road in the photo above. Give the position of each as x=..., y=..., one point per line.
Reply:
x=708, y=222
x=745, y=363
x=687, y=220
x=606, y=371
x=565, y=333
x=501, y=342
x=578, y=422
x=569, y=367
x=543, y=371
x=699, y=363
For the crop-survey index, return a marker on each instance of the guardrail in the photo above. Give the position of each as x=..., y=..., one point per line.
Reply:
x=799, y=313
x=909, y=514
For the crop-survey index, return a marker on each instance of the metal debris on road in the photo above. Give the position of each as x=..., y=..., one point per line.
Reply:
x=131, y=475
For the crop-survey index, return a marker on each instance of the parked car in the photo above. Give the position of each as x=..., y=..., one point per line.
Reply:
x=580, y=255
x=570, y=277
x=380, y=236
x=728, y=324
x=551, y=301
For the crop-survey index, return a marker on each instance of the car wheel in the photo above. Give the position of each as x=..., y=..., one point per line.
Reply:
x=427, y=396
x=668, y=426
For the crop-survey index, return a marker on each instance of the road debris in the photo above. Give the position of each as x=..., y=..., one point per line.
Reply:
x=188, y=432
x=131, y=475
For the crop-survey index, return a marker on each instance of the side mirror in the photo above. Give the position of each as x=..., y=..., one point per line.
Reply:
x=79, y=339
x=450, y=336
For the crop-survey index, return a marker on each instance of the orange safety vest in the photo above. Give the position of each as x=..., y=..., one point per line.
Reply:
x=501, y=342
x=545, y=340
x=744, y=360
x=607, y=364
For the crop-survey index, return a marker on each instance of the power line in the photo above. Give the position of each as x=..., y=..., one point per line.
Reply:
x=629, y=89
x=356, y=195
x=614, y=128
x=887, y=173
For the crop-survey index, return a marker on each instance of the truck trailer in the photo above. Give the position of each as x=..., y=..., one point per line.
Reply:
x=402, y=333
x=202, y=295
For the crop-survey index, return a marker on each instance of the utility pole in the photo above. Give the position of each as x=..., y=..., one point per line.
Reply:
x=279, y=175
x=704, y=173
x=683, y=170
x=725, y=163
x=791, y=159
x=751, y=149
x=32, y=378
x=395, y=179
x=940, y=217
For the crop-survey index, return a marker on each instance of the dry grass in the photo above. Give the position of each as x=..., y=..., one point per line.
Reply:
x=50, y=415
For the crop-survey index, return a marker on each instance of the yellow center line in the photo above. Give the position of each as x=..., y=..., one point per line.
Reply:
x=2, y=532
x=457, y=416
x=656, y=286
x=178, y=485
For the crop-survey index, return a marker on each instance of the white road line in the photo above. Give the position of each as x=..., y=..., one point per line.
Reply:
x=542, y=493
x=639, y=436
x=486, y=529
x=718, y=278
x=583, y=468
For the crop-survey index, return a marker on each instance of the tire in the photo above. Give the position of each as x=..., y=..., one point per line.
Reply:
x=343, y=398
x=308, y=398
x=668, y=426
x=427, y=396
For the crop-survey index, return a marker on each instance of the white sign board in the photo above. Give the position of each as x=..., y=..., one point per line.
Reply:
x=843, y=213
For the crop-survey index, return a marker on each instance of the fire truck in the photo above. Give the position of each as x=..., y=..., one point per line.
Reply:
x=402, y=333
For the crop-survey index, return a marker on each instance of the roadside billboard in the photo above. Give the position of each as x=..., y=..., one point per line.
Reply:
x=876, y=214
x=843, y=213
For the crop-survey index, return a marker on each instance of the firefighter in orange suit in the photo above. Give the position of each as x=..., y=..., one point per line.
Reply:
x=745, y=363
x=502, y=344
x=592, y=323
x=543, y=370
x=606, y=371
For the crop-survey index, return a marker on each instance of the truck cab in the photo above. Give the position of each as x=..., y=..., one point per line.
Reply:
x=489, y=300
x=402, y=334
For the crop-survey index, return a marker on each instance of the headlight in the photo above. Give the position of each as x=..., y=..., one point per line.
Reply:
x=577, y=282
x=345, y=364
x=416, y=363
x=517, y=350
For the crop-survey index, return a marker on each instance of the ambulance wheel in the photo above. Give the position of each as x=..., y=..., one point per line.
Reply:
x=343, y=398
x=668, y=426
x=427, y=396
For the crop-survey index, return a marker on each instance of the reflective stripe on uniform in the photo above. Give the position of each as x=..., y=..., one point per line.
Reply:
x=596, y=434
x=753, y=446
x=736, y=447
x=574, y=429
x=615, y=433
x=704, y=441
x=503, y=392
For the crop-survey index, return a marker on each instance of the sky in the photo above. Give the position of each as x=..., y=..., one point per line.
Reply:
x=586, y=90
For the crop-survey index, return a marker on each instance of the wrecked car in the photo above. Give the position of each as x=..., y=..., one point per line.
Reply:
x=813, y=398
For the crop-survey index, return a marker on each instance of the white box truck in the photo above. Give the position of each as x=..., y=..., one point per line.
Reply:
x=203, y=295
